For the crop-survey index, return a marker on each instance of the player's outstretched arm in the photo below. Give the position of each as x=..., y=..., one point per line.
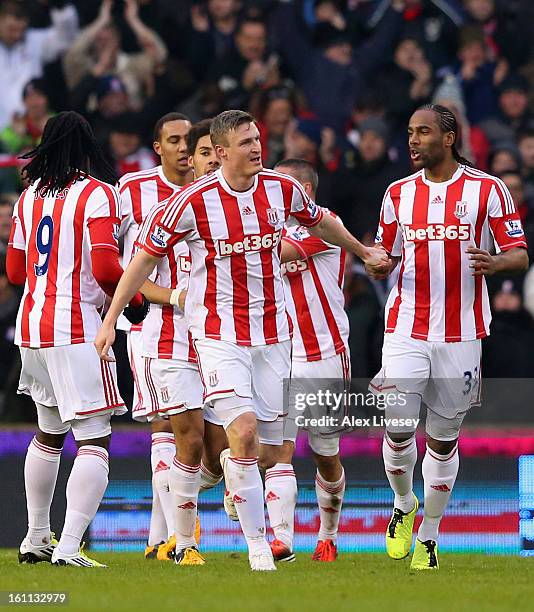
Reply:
x=483, y=263
x=134, y=276
x=329, y=230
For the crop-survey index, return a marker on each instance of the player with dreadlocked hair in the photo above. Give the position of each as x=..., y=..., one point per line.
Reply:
x=63, y=248
x=439, y=223
x=68, y=151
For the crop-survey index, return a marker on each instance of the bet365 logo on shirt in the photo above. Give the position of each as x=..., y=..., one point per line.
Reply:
x=249, y=244
x=436, y=231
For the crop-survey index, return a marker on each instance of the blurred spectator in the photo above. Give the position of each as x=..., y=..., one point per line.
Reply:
x=514, y=116
x=110, y=97
x=212, y=30
x=504, y=158
x=24, y=50
x=6, y=212
x=526, y=150
x=333, y=76
x=479, y=75
x=126, y=145
x=274, y=110
x=358, y=190
x=506, y=35
x=246, y=66
x=26, y=129
x=524, y=204
x=472, y=142
x=97, y=53
x=9, y=304
x=507, y=352
x=434, y=23
x=406, y=82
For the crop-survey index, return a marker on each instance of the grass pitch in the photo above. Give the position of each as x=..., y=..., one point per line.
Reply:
x=355, y=582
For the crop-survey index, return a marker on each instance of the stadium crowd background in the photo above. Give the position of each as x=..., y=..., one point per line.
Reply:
x=330, y=81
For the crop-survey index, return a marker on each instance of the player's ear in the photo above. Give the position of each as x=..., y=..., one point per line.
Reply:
x=157, y=147
x=220, y=151
x=190, y=162
x=450, y=139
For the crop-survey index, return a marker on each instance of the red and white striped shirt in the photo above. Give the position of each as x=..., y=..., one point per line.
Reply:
x=140, y=193
x=61, y=299
x=430, y=225
x=165, y=333
x=314, y=296
x=236, y=291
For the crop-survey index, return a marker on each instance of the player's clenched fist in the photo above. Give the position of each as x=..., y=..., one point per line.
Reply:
x=104, y=341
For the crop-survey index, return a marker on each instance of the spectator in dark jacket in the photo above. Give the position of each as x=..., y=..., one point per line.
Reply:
x=333, y=76
x=357, y=191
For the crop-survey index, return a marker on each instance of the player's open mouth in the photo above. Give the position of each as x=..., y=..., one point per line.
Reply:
x=182, y=160
x=256, y=160
x=415, y=155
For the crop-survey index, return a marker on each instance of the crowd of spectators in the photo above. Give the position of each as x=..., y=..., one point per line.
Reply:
x=332, y=81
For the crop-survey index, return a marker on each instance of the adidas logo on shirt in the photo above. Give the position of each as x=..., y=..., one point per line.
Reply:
x=247, y=210
x=437, y=200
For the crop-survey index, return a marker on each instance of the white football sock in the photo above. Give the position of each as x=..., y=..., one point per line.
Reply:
x=184, y=482
x=85, y=488
x=208, y=480
x=40, y=475
x=281, y=499
x=161, y=521
x=330, y=499
x=439, y=475
x=399, y=461
x=246, y=488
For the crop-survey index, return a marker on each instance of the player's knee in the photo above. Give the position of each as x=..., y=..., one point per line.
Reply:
x=441, y=447
x=402, y=436
x=242, y=434
x=50, y=439
x=286, y=451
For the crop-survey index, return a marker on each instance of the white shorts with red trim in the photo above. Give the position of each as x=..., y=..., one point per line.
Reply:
x=444, y=375
x=71, y=377
x=168, y=387
x=336, y=368
x=137, y=365
x=257, y=374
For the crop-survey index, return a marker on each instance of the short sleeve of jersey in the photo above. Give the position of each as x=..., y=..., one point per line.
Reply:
x=389, y=232
x=303, y=209
x=164, y=227
x=104, y=201
x=306, y=244
x=16, y=238
x=504, y=219
x=126, y=208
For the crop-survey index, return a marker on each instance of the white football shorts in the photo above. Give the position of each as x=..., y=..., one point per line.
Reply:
x=444, y=375
x=73, y=378
x=257, y=374
x=333, y=368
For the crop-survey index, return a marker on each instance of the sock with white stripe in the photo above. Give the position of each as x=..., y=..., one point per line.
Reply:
x=245, y=485
x=161, y=519
x=281, y=499
x=330, y=499
x=208, y=479
x=85, y=488
x=399, y=461
x=40, y=476
x=439, y=475
x=184, y=482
